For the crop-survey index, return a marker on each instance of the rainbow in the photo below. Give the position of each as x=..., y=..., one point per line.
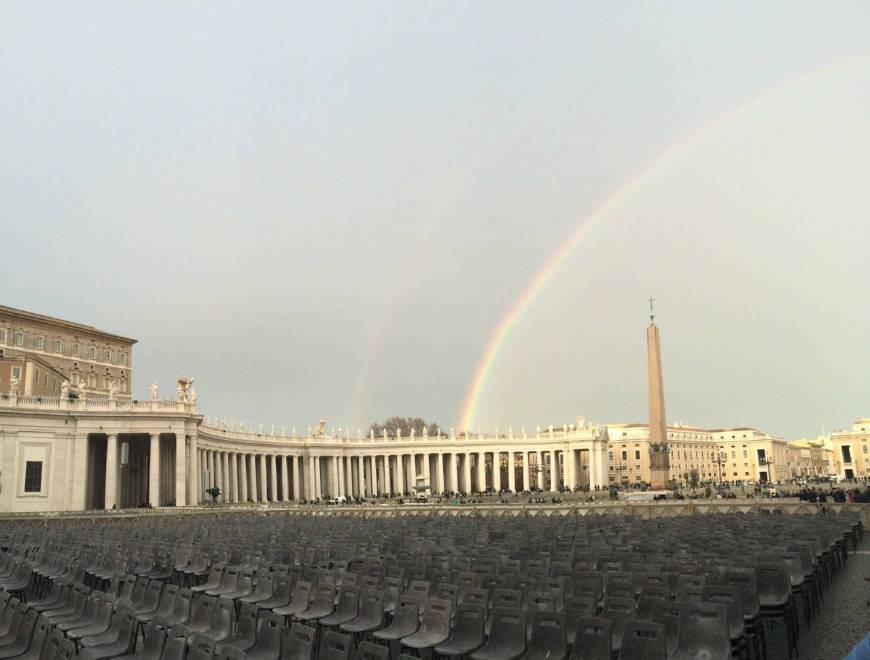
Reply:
x=502, y=332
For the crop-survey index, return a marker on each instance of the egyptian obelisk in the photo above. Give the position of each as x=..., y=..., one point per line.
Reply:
x=659, y=463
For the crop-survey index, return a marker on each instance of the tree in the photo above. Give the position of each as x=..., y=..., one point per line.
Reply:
x=403, y=424
x=693, y=478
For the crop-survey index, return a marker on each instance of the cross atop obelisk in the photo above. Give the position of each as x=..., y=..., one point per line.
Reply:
x=658, y=431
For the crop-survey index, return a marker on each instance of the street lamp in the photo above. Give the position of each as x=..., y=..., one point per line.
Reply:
x=720, y=460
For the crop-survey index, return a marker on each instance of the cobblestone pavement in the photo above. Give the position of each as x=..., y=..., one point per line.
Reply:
x=845, y=617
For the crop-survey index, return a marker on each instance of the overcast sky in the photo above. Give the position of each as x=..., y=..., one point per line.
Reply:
x=325, y=209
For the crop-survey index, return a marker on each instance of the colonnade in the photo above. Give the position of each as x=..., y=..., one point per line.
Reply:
x=302, y=473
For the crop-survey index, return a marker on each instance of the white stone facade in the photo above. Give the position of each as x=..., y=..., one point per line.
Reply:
x=68, y=455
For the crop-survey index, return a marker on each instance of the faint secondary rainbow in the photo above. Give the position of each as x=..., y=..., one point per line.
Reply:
x=498, y=339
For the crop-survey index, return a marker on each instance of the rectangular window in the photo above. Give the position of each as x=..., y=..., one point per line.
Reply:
x=19, y=338
x=37, y=376
x=58, y=345
x=107, y=355
x=39, y=343
x=2, y=335
x=624, y=455
x=637, y=454
x=33, y=477
x=92, y=352
x=45, y=378
x=16, y=372
x=124, y=359
x=75, y=350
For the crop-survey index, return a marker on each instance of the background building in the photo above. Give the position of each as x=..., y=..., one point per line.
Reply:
x=44, y=350
x=851, y=451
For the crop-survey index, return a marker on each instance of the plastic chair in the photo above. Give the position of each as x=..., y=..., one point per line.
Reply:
x=176, y=643
x=643, y=640
x=593, y=639
x=405, y=620
x=347, y=608
x=335, y=646
x=281, y=588
x=324, y=604
x=268, y=644
x=245, y=635
x=101, y=623
x=669, y=614
x=201, y=614
x=371, y=613
x=40, y=638
x=201, y=647
x=231, y=653
x=23, y=635
x=155, y=634
x=121, y=645
x=297, y=643
x=298, y=601
x=434, y=625
x=703, y=632
x=371, y=651
x=507, y=638
x=548, y=640
x=620, y=611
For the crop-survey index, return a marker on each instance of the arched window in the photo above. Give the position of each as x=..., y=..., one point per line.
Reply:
x=92, y=352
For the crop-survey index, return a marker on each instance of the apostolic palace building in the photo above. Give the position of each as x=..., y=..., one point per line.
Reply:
x=72, y=438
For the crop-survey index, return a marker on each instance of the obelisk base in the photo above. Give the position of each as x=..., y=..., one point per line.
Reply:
x=658, y=478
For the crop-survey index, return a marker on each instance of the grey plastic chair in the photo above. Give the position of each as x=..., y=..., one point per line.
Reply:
x=268, y=644
x=703, y=632
x=467, y=634
x=297, y=642
x=335, y=646
x=434, y=625
x=643, y=640
x=593, y=639
x=507, y=638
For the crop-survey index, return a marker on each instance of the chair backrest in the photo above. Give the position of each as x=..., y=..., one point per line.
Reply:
x=269, y=633
x=40, y=636
x=509, y=598
x=155, y=639
x=152, y=594
x=548, y=634
x=335, y=646
x=594, y=636
x=201, y=648
x=231, y=653
x=704, y=630
x=643, y=640
x=298, y=642
x=372, y=651
x=222, y=616
x=202, y=610
x=508, y=633
x=419, y=588
x=474, y=595
x=246, y=628
x=127, y=585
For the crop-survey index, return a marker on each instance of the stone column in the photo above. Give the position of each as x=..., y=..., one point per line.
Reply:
x=154, y=471
x=252, y=478
x=311, y=481
x=496, y=471
x=481, y=471
x=193, y=478
x=319, y=490
x=242, y=465
x=285, y=484
x=466, y=472
x=571, y=468
x=234, y=477
x=295, y=466
x=348, y=477
x=225, y=471
x=412, y=473
x=540, y=464
x=274, y=478
x=264, y=492
x=364, y=479
x=388, y=477
x=512, y=473
x=400, y=474
x=80, y=467
x=453, y=470
x=111, y=471
x=180, y=469
x=526, y=471
x=439, y=473
x=427, y=476
x=334, y=483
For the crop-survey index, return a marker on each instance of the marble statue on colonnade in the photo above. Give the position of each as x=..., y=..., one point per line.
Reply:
x=155, y=392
